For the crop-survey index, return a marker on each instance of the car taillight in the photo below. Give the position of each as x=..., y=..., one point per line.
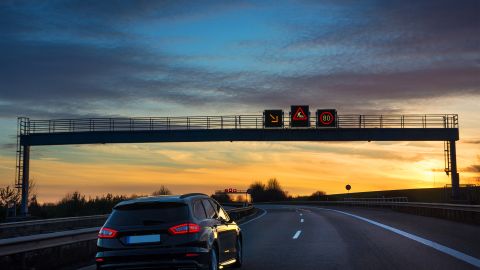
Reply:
x=185, y=228
x=107, y=233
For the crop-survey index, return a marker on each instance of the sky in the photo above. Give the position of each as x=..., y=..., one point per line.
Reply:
x=78, y=59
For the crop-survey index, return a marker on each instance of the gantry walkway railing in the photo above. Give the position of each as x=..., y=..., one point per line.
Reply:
x=28, y=126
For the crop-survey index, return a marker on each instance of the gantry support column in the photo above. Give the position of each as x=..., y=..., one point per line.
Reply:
x=25, y=182
x=454, y=173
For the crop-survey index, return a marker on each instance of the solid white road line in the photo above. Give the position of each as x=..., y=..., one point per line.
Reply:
x=246, y=222
x=301, y=220
x=452, y=252
x=297, y=234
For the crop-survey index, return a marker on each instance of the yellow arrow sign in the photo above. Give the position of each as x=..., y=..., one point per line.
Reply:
x=274, y=118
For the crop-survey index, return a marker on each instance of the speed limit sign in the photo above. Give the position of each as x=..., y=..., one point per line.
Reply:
x=327, y=118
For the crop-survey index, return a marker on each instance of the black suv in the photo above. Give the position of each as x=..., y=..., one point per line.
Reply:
x=190, y=231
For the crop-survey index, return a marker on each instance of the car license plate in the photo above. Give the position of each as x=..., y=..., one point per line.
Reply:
x=137, y=239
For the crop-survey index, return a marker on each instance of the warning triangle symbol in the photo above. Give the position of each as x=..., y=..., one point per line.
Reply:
x=300, y=115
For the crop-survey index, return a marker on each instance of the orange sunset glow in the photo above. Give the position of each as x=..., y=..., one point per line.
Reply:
x=301, y=167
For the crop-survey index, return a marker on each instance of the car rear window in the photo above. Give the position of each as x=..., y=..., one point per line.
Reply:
x=145, y=214
x=198, y=210
x=209, y=209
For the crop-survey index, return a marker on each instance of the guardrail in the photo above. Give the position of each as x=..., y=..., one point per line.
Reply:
x=28, y=126
x=238, y=213
x=48, y=251
x=39, y=241
x=374, y=201
x=29, y=227
x=382, y=199
x=456, y=212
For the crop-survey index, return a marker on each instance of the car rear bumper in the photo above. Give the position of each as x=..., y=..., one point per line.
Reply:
x=177, y=265
x=154, y=259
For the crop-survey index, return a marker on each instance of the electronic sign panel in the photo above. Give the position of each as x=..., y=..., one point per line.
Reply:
x=299, y=116
x=273, y=118
x=327, y=118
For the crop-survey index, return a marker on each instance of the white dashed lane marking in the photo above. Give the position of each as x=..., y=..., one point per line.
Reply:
x=296, y=235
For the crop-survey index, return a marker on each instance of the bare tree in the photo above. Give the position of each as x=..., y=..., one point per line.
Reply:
x=162, y=191
x=9, y=195
x=273, y=184
x=272, y=191
x=317, y=195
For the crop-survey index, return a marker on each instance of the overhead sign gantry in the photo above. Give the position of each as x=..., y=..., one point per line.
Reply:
x=271, y=126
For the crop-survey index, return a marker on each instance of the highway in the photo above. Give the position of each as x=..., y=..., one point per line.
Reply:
x=332, y=240
x=303, y=237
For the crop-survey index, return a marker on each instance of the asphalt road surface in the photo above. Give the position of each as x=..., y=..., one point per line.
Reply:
x=302, y=237
x=299, y=237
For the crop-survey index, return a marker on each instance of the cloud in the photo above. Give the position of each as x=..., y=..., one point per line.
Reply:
x=472, y=168
x=80, y=58
x=398, y=85
x=392, y=28
x=127, y=10
x=8, y=146
x=63, y=71
x=73, y=79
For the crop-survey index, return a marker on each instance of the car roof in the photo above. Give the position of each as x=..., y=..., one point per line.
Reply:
x=163, y=198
